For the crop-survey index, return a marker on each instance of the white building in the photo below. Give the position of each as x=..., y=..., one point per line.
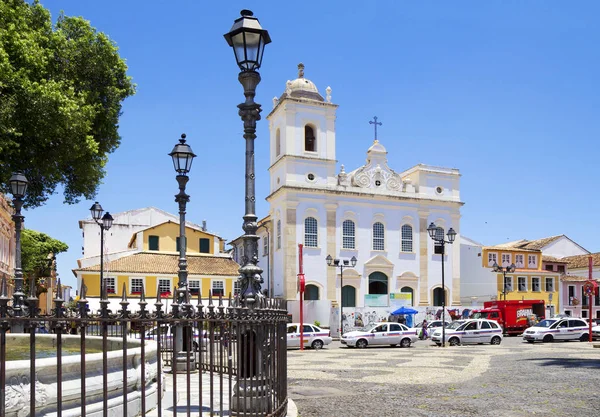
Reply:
x=477, y=284
x=373, y=213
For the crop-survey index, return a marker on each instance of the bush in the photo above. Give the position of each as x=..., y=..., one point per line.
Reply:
x=317, y=323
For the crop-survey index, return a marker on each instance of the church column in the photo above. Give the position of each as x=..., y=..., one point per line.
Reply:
x=331, y=249
x=290, y=247
x=423, y=258
x=456, y=261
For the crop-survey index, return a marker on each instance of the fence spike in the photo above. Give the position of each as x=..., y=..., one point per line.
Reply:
x=210, y=303
x=124, y=293
x=32, y=289
x=157, y=294
x=199, y=298
x=220, y=300
x=229, y=300
x=143, y=294
x=82, y=290
x=58, y=290
x=3, y=289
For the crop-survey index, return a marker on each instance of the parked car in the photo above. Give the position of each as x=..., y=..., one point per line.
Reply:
x=431, y=326
x=596, y=332
x=548, y=330
x=314, y=336
x=471, y=331
x=165, y=333
x=380, y=334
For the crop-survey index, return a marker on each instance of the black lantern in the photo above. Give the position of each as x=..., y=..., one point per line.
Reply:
x=512, y=268
x=18, y=185
x=182, y=156
x=248, y=40
x=353, y=261
x=432, y=229
x=451, y=235
x=107, y=220
x=96, y=211
x=329, y=259
x=495, y=267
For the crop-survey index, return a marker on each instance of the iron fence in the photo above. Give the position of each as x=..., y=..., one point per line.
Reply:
x=193, y=360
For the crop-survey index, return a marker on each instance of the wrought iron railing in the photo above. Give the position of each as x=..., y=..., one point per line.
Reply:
x=233, y=360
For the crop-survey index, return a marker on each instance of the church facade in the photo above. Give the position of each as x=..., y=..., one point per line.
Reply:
x=373, y=213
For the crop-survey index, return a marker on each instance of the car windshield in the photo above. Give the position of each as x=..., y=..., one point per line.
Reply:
x=545, y=323
x=454, y=325
x=369, y=327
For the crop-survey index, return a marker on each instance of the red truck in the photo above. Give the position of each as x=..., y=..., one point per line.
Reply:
x=514, y=316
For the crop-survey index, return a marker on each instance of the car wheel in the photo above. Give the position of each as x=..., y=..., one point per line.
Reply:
x=496, y=340
x=439, y=344
x=361, y=344
x=317, y=344
x=584, y=337
x=405, y=343
x=454, y=341
x=548, y=338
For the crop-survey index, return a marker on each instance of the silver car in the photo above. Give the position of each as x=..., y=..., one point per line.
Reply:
x=471, y=331
x=380, y=334
x=558, y=329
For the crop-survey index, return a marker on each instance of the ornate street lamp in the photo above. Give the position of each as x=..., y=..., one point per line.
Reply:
x=437, y=234
x=248, y=40
x=183, y=157
x=105, y=222
x=343, y=264
x=18, y=187
x=509, y=269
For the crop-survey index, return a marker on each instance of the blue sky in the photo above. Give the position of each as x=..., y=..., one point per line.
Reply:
x=505, y=91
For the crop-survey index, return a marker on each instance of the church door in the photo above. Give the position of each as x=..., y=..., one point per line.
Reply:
x=378, y=283
x=438, y=296
x=348, y=296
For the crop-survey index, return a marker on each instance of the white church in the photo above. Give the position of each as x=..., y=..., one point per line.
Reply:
x=373, y=213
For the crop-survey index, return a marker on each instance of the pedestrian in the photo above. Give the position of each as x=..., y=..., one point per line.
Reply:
x=423, y=334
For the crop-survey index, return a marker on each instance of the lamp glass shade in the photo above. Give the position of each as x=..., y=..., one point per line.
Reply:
x=18, y=185
x=353, y=261
x=495, y=267
x=96, y=211
x=512, y=268
x=329, y=259
x=182, y=157
x=107, y=221
x=432, y=230
x=451, y=235
x=248, y=40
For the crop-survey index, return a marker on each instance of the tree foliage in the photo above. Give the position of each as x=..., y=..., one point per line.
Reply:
x=38, y=252
x=61, y=89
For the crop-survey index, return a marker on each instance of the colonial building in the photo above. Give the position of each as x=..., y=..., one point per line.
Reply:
x=148, y=258
x=7, y=241
x=372, y=212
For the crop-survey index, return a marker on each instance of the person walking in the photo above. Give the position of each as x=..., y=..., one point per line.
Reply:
x=423, y=335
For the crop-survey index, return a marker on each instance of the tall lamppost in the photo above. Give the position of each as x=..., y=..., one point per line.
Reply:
x=18, y=186
x=183, y=157
x=248, y=40
x=509, y=269
x=437, y=234
x=105, y=222
x=345, y=263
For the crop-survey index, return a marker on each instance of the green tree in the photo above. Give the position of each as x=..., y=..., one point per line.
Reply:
x=38, y=252
x=61, y=89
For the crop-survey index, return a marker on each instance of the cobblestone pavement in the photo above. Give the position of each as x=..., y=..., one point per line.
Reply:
x=513, y=379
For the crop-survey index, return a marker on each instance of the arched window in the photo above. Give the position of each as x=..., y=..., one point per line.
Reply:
x=278, y=234
x=378, y=236
x=348, y=235
x=378, y=283
x=408, y=290
x=407, y=238
x=348, y=296
x=439, y=233
x=438, y=296
x=311, y=292
x=277, y=143
x=310, y=143
x=310, y=232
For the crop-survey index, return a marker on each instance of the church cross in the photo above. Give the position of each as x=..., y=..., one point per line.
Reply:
x=375, y=122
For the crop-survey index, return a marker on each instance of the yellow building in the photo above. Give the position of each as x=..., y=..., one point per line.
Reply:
x=529, y=281
x=154, y=267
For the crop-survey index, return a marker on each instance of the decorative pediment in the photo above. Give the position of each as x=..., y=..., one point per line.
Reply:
x=376, y=173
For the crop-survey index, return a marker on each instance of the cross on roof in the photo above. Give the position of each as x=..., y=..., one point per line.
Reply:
x=375, y=122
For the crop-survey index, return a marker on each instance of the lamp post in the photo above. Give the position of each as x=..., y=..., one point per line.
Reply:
x=183, y=157
x=437, y=234
x=345, y=263
x=18, y=187
x=105, y=222
x=509, y=269
x=248, y=40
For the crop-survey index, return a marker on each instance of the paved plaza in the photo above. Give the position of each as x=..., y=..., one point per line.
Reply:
x=513, y=379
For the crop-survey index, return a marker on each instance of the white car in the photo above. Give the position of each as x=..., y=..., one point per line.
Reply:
x=596, y=332
x=558, y=329
x=165, y=334
x=314, y=336
x=381, y=334
x=471, y=331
